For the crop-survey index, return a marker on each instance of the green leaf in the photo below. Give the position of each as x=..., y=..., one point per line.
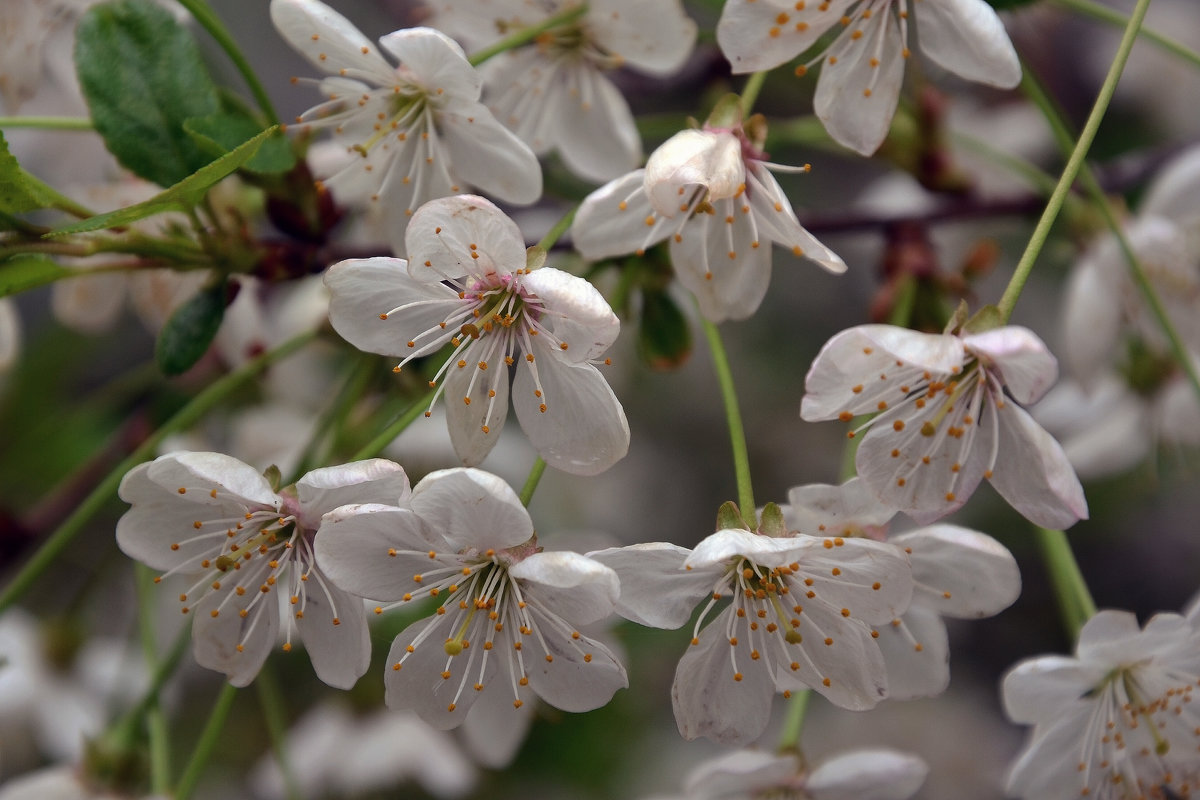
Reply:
x=23, y=272
x=17, y=192
x=142, y=76
x=183, y=195
x=190, y=330
x=664, y=340
x=224, y=131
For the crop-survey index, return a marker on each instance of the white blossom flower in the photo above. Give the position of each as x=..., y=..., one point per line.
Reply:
x=944, y=421
x=466, y=283
x=957, y=573
x=246, y=546
x=863, y=68
x=419, y=128
x=799, y=615
x=1116, y=720
x=61, y=783
x=554, y=93
x=856, y=775
x=10, y=334
x=508, y=626
x=711, y=192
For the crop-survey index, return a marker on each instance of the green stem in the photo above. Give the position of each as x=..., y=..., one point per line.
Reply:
x=271, y=700
x=1179, y=350
x=793, y=723
x=208, y=740
x=58, y=541
x=162, y=673
x=1113, y=17
x=751, y=90
x=1074, y=600
x=156, y=721
x=531, y=483
x=376, y=445
x=737, y=433
x=330, y=424
x=49, y=123
x=527, y=35
x=1074, y=163
x=212, y=23
x=558, y=230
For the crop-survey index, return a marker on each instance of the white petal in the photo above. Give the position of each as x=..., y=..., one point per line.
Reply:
x=718, y=548
x=1026, y=367
x=464, y=235
x=850, y=509
x=655, y=588
x=838, y=650
x=872, y=580
x=960, y=572
x=472, y=508
x=711, y=159
x=579, y=315
x=1041, y=689
x=583, y=675
x=1175, y=192
x=1043, y=770
x=718, y=262
x=776, y=220
x=867, y=775
x=917, y=655
x=570, y=585
x=652, y=37
x=10, y=334
x=418, y=684
x=88, y=304
x=51, y=783
x=753, y=38
x=487, y=155
x=375, y=480
x=612, y=220
x=583, y=430
x=1033, y=474
x=340, y=651
x=859, y=85
x=1178, y=411
x=354, y=543
x=741, y=773
x=597, y=136
x=207, y=471
x=1091, y=325
x=328, y=40
x=215, y=640
x=487, y=391
x=435, y=62
x=968, y=38
x=497, y=729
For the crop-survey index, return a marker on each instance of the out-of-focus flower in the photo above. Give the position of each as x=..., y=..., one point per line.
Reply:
x=554, y=93
x=217, y=520
x=10, y=334
x=1115, y=721
x=61, y=783
x=799, y=617
x=466, y=283
x=419, y=128
x=944, y=419
x=711, y=192
x=508, y=627
x=862, y=70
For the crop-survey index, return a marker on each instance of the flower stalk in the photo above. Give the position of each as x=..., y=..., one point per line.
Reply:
x=1075, y=601
x=208, y=741
x=737, y=432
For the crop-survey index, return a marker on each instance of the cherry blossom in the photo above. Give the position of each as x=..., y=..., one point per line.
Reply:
x=10, y=334
x=944, y=419
x=863, y=68
x=466, y=284
x=711, y=192
x=217, y=521
x=63, y=783
x=419, y=128
x=508, y=626
x=1114, y=721
x=554, y=93
x=799, y=617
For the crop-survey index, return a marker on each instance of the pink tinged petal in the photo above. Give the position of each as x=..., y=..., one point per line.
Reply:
x=722, y=263
x=1042, y=689
x=88, y=303
x=694, y=158
x=710, y=699
x=968, y=38
x=867, y=775
x=435, y=62
x=651, y=37
x=572, y=586
x=354, y=548
x=1033, y=474
x=597, y=136
x=375, y=480
x=475, y=426
x=1175, y=192
x=472, y=508
x=656, y=589
x=497, y=728
x=776, y=220
x=572, y=674
x=216, y=640
x=617, y=218
x=583, y=429
x=418, y=684
x=858, y=357
x=917, y=654
x=361, y=290
x=463, y=235
x=742, y=773
x=960, y=572
x=579, y=315
x=859, y=85
x=487, y=155
x=1025, y=365
x=1092, y=316
x=850, y=509
x=334, y=631
x=762, y=34
x=329, y=40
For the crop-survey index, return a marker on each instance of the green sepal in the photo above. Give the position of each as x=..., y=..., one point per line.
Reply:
x=222, y=132
x=24, y=271
x=958, y=318
x=191, y=329
x=142, y=76
x=535, y=257
x=274, y=477
x=183, y=195
x=727, y=113
x=772, y=523
x=664, y=340
x=985, y=319
x=728, y=516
